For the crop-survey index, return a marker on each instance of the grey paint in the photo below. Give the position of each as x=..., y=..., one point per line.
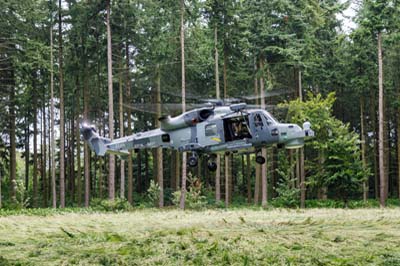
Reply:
x=187, y=133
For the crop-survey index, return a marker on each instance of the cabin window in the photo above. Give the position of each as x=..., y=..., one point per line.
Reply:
x=211, y=130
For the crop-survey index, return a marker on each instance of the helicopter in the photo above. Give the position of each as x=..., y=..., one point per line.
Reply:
x=208, y=130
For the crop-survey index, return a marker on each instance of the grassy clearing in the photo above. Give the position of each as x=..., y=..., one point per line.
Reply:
x=214, y=237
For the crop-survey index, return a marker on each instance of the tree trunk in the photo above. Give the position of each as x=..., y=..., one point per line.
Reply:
x=27, y=135
x=258, y=167
x=184, y=167
x=139, y=182
x=0, y=191
x=264, y=184
x=386, y=146
x=35, y=157
x=160, y=169
x=146, y=169
x=257, y=184
x=302, y=176
x=228, y=176
x=177, y=169
x=52, y=126
x=78, y=160
x=303, y=188
x=62, y=130
x=218, y=180
x=49, y=157
x=121, y=133
x=217, y=91
x=71, y=156
x=172, y=180
x=129, y=129
x=78, y=145
x=398, y=150
x=44, y=153
x=372, y=111
x=111, y=171
x=381, y=129
x=100, y=181
x=86, y=151
x=248, y=177
x=227, y=166
x=363, y=147
x=13, y=154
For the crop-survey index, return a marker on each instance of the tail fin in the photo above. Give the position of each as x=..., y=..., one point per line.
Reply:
x=96, y=143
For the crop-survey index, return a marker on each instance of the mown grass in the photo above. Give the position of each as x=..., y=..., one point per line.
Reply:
x=210, y=237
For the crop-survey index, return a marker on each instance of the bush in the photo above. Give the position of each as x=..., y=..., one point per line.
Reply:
x=194, y=198
x=153, y=193
x=111, y=205
x=288, y=193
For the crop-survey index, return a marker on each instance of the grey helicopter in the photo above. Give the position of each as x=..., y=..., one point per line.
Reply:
x=206, y=131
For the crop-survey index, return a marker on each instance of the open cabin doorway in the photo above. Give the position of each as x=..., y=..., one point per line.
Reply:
x=237, y=128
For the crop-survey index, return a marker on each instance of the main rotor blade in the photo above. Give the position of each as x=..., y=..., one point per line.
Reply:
x=166, y=108
x=267, y=94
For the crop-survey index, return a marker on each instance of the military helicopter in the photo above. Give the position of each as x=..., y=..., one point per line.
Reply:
x=208, y=130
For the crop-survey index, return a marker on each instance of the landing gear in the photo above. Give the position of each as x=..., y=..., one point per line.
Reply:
x=259, y=158
x=193, y=160
x=211, y=164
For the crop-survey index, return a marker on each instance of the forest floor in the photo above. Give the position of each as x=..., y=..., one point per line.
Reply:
x=210, y=237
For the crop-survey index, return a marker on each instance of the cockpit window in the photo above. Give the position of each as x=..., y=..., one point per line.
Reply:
x=258, y=120
x=270, y=119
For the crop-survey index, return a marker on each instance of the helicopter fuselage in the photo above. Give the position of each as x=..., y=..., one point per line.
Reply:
x=208, y=130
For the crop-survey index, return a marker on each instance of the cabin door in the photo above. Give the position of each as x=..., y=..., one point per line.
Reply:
x=259, y=127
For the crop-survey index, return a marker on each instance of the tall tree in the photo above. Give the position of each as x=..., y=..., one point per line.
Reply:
x=111, y=173
x=129, y=118
x=35, y=153
x=52, y=119
x=62, y=120
x=183, y=85
x=217, y=92
x=13, y=152
x=382, y=175
x=160, y=169
x=121, y=132
x=264, y=184
x=378, y=16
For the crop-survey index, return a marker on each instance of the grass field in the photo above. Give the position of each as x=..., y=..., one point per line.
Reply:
x=214, y=237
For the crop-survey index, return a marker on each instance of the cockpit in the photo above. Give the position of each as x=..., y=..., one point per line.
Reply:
x=269, y=117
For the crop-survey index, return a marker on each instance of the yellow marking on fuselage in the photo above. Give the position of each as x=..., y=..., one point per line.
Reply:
x=216, y=139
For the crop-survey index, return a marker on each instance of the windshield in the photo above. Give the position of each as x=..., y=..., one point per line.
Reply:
x=270, y=118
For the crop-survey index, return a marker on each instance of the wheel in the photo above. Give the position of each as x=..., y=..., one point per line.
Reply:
x=192, y=161
x=212, y=166
x=260, y=159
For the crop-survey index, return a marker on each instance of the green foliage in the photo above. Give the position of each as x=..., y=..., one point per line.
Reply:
x=115, y=205
x=194, y=196
x=153, y=193
x=22, y=198
x=288, y=193
x=336, y=162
